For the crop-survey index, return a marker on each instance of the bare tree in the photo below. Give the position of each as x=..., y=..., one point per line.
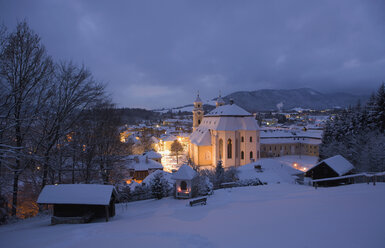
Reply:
x=75, y=91
x=25, y=71
x=176, y=148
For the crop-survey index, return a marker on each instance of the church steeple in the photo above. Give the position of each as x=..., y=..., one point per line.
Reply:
x=219, y=101
x=197, y=112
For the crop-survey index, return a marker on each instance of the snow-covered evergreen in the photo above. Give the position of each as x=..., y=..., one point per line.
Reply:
x=358, y=134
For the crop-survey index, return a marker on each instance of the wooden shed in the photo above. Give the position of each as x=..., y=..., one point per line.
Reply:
x=79, y=203
x=336, y=166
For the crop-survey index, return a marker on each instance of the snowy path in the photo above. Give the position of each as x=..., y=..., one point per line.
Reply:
x=280, y=215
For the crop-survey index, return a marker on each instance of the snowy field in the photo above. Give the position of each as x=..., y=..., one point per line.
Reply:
x=276, y=215
x=303, y=162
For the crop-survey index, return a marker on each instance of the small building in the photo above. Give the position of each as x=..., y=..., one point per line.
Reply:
x=140, y=167
x=79, y=203
x=153, y=155
x=336, y=166
x=183, y=181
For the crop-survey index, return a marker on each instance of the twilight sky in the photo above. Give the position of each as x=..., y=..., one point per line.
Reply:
x=159, y=53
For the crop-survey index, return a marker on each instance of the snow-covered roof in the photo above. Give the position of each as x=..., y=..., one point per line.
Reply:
x=143, y=164
x=185, y=172
x=229, y=110
x=152, y=154
x=89, y=194
x=201, y=137
x=220, y=100
x=338, y=163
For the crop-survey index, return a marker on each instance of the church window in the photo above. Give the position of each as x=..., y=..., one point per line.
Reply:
x=251, y=139
x=251, y=155
x=220, y=149
x=183, y=185
x=229, y=148
x=242, y=139
x=242, y=155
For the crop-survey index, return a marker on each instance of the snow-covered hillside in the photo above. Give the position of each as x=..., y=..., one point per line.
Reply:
x=276, y=215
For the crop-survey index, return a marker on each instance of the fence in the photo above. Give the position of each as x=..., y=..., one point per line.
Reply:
x=365, y=177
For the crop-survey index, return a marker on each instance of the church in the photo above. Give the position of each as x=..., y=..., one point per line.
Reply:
x=227, y=133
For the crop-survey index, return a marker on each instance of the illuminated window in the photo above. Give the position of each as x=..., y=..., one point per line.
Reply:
x=229, y=148
x=220, y=149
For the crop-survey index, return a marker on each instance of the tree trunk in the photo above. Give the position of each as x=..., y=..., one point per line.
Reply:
x=15, y=190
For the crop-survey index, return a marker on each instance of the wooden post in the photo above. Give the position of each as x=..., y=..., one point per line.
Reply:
x=107, y=213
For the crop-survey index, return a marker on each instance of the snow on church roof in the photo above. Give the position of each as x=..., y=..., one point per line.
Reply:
x=229, y=110
x=185, y=172
x=89, y=194
x=338, y=163
x=223, y=118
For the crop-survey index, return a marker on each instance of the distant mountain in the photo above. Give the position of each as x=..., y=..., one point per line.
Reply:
x=305, y=98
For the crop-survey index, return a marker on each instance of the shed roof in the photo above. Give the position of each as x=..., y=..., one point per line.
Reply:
x=185, y=172
x=87, y=194
x=337, y=163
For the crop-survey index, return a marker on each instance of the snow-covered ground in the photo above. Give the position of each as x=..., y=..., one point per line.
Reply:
x=298, y=162
x=274, y=215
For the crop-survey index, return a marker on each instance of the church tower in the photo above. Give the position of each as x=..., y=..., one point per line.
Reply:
x=219, y=101
x=197, y=112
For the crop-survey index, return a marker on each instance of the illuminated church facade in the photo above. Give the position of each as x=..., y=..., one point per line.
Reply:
x=227, y=133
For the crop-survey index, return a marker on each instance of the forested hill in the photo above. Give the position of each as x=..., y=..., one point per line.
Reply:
x=265, y=100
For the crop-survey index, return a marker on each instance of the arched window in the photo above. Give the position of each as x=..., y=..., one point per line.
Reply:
x=220, y=148
x=242, y=139
x=236, y=148
x=199, y=122
x=242, y=155
x=251, y=155
x=229, y=148
x=251, y=138
x=183, y=185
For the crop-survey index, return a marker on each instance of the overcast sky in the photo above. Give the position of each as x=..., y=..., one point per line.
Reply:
x=160, y=53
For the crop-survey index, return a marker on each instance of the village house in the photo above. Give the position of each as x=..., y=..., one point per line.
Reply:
x=140, y=167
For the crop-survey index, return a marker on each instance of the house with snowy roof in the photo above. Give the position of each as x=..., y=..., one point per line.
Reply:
x=336, y=166
x=227, y=133
x=153, y=155
x=140, y=167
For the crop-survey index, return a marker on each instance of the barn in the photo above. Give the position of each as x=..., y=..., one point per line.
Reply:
x=336, y=166
x=79, y=203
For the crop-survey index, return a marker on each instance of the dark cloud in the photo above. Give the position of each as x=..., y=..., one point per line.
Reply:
x=159, y=53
